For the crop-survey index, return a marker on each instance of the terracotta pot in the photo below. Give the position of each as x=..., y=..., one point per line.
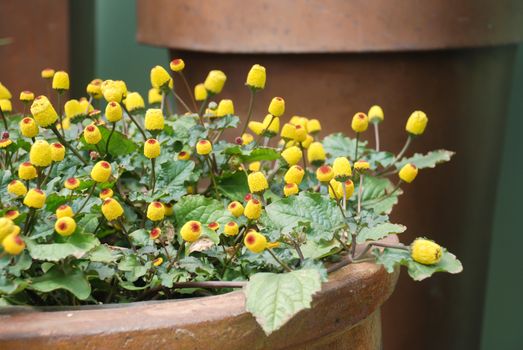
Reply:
x=344, y=315
x=332, y=58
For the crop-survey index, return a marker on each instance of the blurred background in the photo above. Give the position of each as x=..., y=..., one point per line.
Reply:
x=461, y=62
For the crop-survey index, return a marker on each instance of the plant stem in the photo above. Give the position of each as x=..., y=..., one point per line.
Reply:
x=153, y=178
x=66, y=144
x=4, y=119
x=360, y=193
x=162, y=103
x=181, y=101
x=28, y=220
x=47, y=176
x=109, y=139
x=120, y=221
x=356, y=148
x=377, y=136
x=140, y=129
x=344, y=190
x=398, y=157
x=202, y=109
x=264, y=130
x=211, y=173
x=189, y=90
x=284, y=265
x=300, y=253
x=249, y=111
x=58, y=95
x=179, y=252
x=337, y=200
x=91, y=191
x=304, y=158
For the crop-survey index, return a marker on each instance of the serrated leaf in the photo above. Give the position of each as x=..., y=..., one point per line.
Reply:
x=133, y=267
x=318, y=250
x=73, y=281
x=429, y=160
x=234, y=186
x=171, y=179
x=379, y=231
x=275, y=298
x=77, y=245
x=339, y=145
x=103, y=254
x=120, y=145
x=194, y=265
x=259, y=154
x=228, y=121
x=202, y=209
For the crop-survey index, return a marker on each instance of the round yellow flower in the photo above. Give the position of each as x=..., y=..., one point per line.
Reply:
x=294, y=175
x=61, y=81
x=257, y=182
x=271, y=125
x=113, y=112
x=338, y=190
x=43, y=111
x=360, y=122
x=5, y=105
x=342, y=168
x=74, y=109
x=151, y=148
x=200, y=92
x=177, y=65
x=86, y=106
x=27, y=96
x=40, y=154
x=94, y=88
x=112, y=91
x=231, y=229
x=313, y=126
x=256, y=127
x=13, y=244
x=28, y=127
x=288, y=131
x=361, y=166
x=111, y=209
x=92, y=134
x=4, y=92
x=155, y=211
x=184, y=155
x=154, y=96
x=253, y=209
x=213, y=226
x=417, y=123
x=255, y=166
x=12, y=215
x=154, y=119
x=256, y=77
x=35, y=198
x=425, y=251
x=155, y=233
x=17, y=188
x=47, y=73
x=57, y=152
x=247, y=138
x=160, y=78
x=235, y=208
x=408, y=172
x=376, y=114
x=215, y=81
x=101, y=171
x=225, y=107
x=203, y=147
x=158, y=261
x=324, y=173
x=316, y=153
x=290, y=189
x=277, y=106
x=191, y=231
x=71, y=183
x=106, y=193
x=26, y=171
x=255, y=241
x=292, y=155
x=301, y=133
x=65, y=226
x=134, y=102
x=297, y=120
x=7, y=227
x=64, y=211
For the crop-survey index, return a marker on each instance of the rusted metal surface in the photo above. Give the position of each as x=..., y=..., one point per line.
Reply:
x=317, y=26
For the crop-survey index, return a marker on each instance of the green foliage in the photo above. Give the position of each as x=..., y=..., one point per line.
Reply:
x=77, y=245
x=429, y=160
x=74, y=281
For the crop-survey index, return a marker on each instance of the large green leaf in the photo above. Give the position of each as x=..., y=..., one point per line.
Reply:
x=234, y=186
x=228, y=121
x=133, y=267
x=171, y=179
x=339, y=145
x=379, y=231
x=275, y=298
x=429, y=160
x=119, y=145
x=320, y=211
x=375, y=196
x=73, y=281
x=202, y=209
x=77, y=245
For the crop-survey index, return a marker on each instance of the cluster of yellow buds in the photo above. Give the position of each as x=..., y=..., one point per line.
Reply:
x=10, y=238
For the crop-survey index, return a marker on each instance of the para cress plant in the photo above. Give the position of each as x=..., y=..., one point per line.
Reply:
x=135, y=204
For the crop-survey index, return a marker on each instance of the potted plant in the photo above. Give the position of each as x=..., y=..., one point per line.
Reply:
x=138, y=204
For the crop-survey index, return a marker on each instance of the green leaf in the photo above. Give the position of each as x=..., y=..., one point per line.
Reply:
x=378, y=232
x=339, y=145
x=194, y=265
x=23, y=262
x=11, y=285
x=389, y=258
x=134, y=268
x=429, y=160
x=322, y=213
x=228, y=121
x=77, y=245
x=73, y=281
x=103, y=254
x=171, y=179
x=202, y=209
x=275, y=298
x=319, y=250
x=234, y=186
x=375, y=197
x=259, y=154
x=120, y=145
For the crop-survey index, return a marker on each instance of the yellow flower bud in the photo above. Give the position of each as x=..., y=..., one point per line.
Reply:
x=316, y=153
x=255, y=166
x=64, y=211
x=203, y=147
x=184, y=155
x=35, y=198
x=155, y=233
x=28, y=127
x=154, y=96
x=134, y=102
x=231, y=229
x=154, y=119
x=257, y=182
x=5, y=105
x=61, y=81
x=160, y=78
x=65, y=226
x=5, y=94
x=101, y=171
x=292, y=155
x=94, y=88
x=338, y=190
x=158, y=261
x=200, y=92
x=361, y=166
x=40, y=154
x=47, y=73
x=215, y=81
x=297, y=120
x=360, y=122
x=271, y=125
x=71, y=183
x=253, y=209
x=255, y=242
x=113, y=112
x=168, y=209
x=301, y=133
x=7, y=227
x=425, y=251
x=106, y=193
x=27, y=96
x=113, y=91
x=288, y=131
x=74, y=109
x=247, y=138
x=235, y=208
x=277, y=106
x=313, y=126
x=342, y=168
x=26, y=171
x=43, y=111
x=87, y=107
x=376, y=114
x=349, y=188
x=408, y=172
x=111, y=209
x=416, y=123
x=191, y=231
x=57, y=152
x=256, y=127
x=225, y=107
x=5, y=142
x=294, y=175
x=290, y=189
x=256, y=77
x=13, y=244
x=214, y=226
x=92, y=134
x=151, y=148
x=177, y=65
x=324, y=173
x=12, y=215
x=155, y=211
x=17, y=188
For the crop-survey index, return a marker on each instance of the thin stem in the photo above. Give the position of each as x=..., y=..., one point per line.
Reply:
x=249, y=111
x=162, y=103
x=58, y=95
x=298, y=250
x=304, y=158
x=211, y=173
x=66, y=144
x=398, y=157
x=109, y=139
x=153, y=178
x=4, y=119
x=88, y=104
x=91, y=191
x=360, y=193
x=189, y=90
x=120, y=221
x=135, y=122
x=179, y=252
x=264, y=130
x=337, y=200
x=202, y=109
x=284, y=265
x=28, y=220
x=47, y=176
x=377, y=136
x=181, y=101
x=356, y=148
x=344, y=190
